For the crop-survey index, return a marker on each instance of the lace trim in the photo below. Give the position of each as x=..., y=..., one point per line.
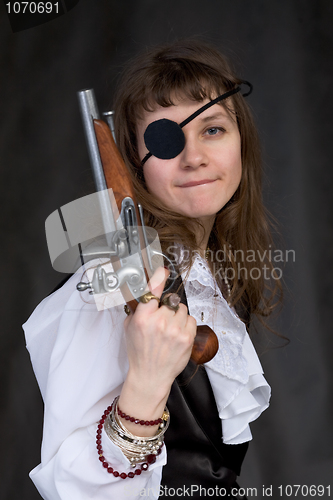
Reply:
x=201, y=288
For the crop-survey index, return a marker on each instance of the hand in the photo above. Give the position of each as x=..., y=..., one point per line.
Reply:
x=159, y=340
x=159, y=344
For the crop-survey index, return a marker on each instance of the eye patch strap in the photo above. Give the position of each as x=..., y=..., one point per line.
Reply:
x=194, y=115
x=208, y=105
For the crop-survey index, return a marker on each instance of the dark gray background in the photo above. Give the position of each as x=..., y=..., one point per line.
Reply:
x=285, y=49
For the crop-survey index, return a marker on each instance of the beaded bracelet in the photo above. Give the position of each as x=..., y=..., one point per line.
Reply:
x=106, y=464
x=137, y=420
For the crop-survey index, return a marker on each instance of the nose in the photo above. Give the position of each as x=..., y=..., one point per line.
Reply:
x=194, y=153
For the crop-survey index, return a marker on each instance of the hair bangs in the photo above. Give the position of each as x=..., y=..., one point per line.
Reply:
x=178, y=80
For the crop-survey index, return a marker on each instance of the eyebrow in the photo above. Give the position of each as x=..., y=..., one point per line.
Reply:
x=214, y=116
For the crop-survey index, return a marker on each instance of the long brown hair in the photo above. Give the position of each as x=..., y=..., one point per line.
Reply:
x=198, y=71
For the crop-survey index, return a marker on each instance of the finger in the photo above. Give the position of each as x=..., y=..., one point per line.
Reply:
x=156, y=286
x=191, y=323
x=158, y=280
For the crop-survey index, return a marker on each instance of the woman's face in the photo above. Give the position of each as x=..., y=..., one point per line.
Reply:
x=204, y=176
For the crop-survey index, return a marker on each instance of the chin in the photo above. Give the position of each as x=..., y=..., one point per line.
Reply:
x=207, y=213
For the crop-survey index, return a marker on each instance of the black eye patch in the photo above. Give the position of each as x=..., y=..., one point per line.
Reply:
x=165, y=138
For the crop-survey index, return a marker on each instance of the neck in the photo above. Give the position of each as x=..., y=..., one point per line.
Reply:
x=203, y=234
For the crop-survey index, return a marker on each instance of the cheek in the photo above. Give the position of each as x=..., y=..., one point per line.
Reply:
x=150, y=181
x=235, y=178
x=155, y=181
x=235, y=166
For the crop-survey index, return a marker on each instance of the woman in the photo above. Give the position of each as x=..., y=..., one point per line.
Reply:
x=201, y=192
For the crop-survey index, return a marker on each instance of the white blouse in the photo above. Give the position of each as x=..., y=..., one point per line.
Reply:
x=79, y=358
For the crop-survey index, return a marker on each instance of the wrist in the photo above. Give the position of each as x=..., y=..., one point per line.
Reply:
x=150, y=390
x=142, y=405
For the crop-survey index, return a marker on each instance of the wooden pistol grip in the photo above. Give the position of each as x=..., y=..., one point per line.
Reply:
x=205, y=345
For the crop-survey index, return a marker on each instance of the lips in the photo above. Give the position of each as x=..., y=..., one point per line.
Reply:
x=197, y=183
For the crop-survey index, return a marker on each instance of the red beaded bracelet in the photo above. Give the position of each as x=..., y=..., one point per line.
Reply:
x=137, y=420
x=150, y=458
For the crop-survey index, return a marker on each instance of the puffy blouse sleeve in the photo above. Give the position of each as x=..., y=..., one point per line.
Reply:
x=79, y=357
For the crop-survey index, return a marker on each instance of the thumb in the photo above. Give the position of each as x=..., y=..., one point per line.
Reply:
x=157, y=281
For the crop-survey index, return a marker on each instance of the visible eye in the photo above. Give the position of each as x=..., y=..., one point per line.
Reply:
x=214, y=130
